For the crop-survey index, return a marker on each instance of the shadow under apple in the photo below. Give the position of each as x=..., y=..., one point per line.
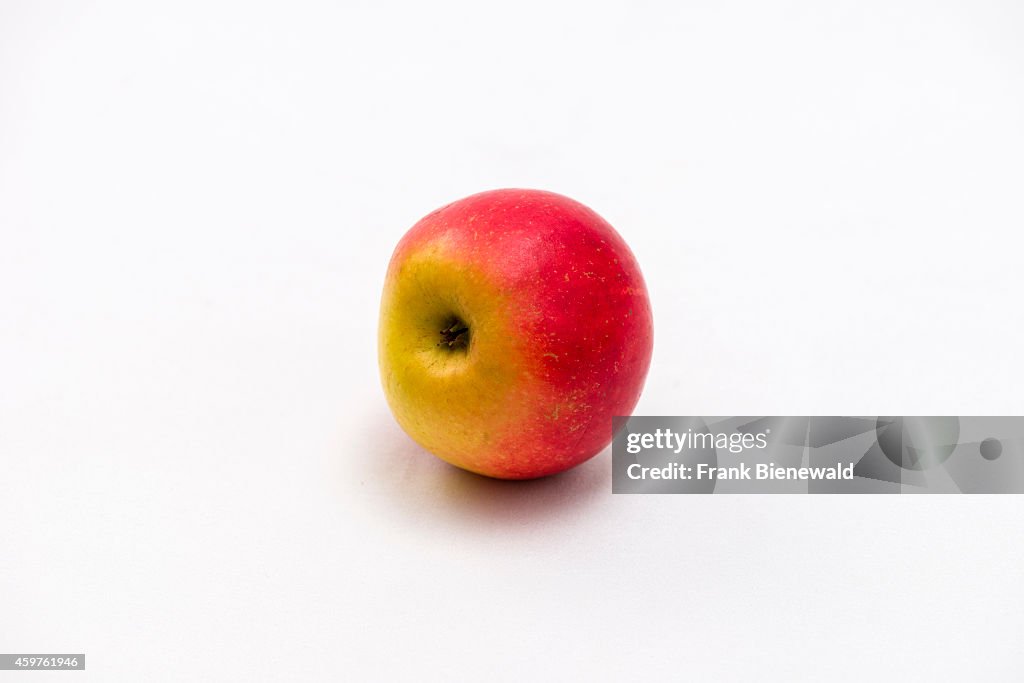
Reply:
x=407, y=480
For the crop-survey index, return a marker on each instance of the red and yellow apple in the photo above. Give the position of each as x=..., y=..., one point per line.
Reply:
x=514, y=325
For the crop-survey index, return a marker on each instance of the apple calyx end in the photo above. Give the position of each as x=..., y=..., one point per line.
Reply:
x=455, y=335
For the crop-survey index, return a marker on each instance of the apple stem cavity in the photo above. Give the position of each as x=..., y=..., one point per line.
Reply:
x=455, y=336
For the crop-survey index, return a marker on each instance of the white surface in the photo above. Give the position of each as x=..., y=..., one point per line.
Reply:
x=199, y=479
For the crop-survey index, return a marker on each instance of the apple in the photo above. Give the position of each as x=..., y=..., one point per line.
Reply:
x=514, y=325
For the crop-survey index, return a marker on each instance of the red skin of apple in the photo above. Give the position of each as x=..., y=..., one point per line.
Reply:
x=576, y=318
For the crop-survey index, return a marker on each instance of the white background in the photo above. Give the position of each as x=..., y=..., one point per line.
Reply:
x=199, y=477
